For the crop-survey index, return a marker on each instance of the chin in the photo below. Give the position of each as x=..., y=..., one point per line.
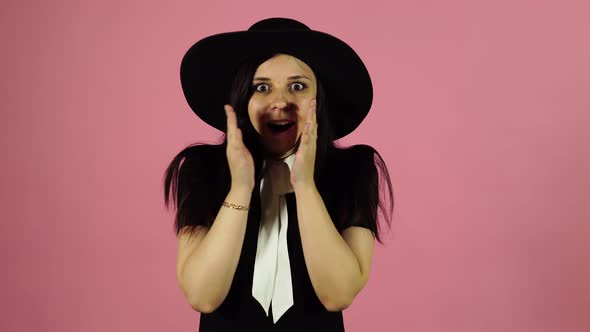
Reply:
x=278, y=147
x=279, y=151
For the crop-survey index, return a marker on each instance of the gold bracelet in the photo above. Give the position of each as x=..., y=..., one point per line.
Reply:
x=235, y=206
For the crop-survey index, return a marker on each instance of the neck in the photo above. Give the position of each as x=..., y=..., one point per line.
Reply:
x=276, y=156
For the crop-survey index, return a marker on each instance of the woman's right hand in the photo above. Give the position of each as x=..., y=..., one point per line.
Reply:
x=241, y=163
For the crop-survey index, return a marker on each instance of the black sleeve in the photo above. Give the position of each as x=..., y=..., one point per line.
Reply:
x=363, y=193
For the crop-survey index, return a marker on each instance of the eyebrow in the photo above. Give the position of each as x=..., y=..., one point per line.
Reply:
x=296, y=77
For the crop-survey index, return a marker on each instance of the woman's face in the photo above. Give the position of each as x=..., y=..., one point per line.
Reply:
x=283, y=88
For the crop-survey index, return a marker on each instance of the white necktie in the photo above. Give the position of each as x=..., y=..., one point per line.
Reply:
x=272, y=270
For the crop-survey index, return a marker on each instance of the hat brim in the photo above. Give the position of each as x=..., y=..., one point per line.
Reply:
x=208, y=67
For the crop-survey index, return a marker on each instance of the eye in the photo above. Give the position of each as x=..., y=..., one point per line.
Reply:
x=261, y=87
x=297, y=86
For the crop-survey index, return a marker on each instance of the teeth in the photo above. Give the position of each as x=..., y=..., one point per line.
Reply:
x=280, y=122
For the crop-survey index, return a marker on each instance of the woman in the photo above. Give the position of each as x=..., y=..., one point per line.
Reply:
x=276, y=224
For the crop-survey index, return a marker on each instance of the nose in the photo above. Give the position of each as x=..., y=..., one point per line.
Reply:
x=279, y=100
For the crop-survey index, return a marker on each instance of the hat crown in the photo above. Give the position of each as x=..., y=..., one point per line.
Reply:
x=278, y=24
x=209, y=68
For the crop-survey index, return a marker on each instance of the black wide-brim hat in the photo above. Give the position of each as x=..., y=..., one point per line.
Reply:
x=208, y=68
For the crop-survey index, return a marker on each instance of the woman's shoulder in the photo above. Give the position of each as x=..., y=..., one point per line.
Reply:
x=198, y=155
x=201, y=162
x=196, y=181
x=352, y=157
x=349, y=184
x=202, y=149
x=345, y=167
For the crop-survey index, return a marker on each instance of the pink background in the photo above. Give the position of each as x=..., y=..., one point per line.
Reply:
x=481, y=111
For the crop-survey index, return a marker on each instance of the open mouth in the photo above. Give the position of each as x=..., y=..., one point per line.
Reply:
x=280, y=127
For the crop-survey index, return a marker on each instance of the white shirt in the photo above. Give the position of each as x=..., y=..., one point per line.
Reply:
x=272, y=270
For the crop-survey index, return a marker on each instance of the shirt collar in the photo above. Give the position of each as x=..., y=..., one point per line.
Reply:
x=288, y=160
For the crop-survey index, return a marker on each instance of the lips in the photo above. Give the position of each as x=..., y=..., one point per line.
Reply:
x=279, y=126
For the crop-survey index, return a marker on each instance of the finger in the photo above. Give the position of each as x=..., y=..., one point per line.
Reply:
x=228, y=124
x=236, y=132
x=315, y=122
x=238, y=137
x=309, y=126
x=309, y=116
x=231, y=117
x=314, y=108
x=231, y=121
x=305, y=133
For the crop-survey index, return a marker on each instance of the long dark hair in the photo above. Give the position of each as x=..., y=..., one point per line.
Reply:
x=348, y=178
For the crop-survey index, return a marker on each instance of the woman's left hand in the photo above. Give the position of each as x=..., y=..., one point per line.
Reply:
x=303, y=165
